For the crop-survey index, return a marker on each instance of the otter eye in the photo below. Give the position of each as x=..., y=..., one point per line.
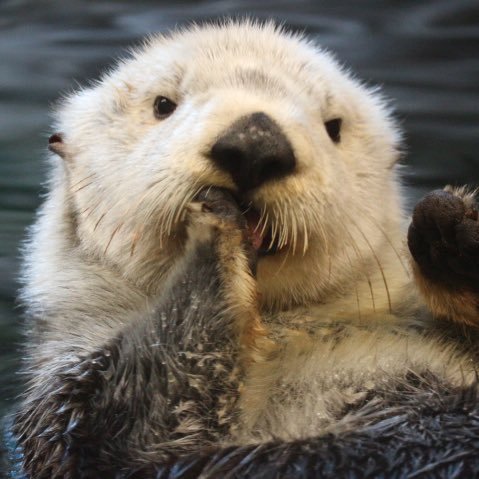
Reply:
x=163, y=107
x=333, y=127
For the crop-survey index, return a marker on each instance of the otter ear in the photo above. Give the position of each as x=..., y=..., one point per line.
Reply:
x=56, y=145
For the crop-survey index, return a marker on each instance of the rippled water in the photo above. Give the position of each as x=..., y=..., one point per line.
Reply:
x=425, y=55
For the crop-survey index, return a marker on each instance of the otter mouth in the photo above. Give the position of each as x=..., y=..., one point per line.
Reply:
x=260, y=236
x=258, y=232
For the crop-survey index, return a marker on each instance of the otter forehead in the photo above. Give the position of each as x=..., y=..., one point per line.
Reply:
x=245, y=56
x=223, y=48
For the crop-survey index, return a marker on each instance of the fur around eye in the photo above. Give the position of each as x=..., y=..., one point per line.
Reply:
x=163, y=107
x=333, y=128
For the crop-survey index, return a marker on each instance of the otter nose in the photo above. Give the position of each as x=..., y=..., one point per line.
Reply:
x=253, y=150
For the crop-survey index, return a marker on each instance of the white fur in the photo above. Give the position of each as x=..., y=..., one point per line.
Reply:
x=111, y=229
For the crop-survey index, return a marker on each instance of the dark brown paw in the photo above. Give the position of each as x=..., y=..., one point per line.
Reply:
x=221, y=203
x=444, y=240
x=217, y=208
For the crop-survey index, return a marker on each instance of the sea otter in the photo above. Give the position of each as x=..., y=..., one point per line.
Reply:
x=218, y=282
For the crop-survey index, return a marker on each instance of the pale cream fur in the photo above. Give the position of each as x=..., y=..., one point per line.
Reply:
x=111, y=228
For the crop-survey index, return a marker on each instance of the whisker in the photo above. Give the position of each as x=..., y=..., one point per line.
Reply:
x=358, y=303
x=258, y=227
x=361, y=260
x=305, y=233
x=390, y=243
x=274, y=231
x=174, y=213
x=377, y=261
x=265, y=224
x=136, y=206
x=283, y=233
x=186, y=199
x=278, y=223
x=319, y=223
x=281, y=216
x=294, y=230
x=247, y=208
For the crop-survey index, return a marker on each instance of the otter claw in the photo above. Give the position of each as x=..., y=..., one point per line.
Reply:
x=221, y=203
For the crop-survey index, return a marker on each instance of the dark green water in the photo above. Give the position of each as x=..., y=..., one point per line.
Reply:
x=425, y=55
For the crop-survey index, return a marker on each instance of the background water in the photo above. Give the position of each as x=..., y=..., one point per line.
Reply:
x=425, y=55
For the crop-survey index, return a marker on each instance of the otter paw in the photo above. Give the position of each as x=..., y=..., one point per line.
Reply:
x=444, y=240
x=220, y=206
x=215, y=210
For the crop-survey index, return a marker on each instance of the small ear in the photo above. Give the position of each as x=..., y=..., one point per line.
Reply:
x=56, y=145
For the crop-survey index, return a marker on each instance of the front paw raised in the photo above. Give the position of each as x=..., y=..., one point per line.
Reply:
x=218, y=207
x=214, y=211
x=444, y=239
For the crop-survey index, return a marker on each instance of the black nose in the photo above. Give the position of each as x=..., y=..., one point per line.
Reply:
x=254, y=150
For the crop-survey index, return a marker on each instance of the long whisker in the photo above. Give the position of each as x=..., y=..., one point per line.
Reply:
x=319, y=223
x=136, y=206
x=260, y=226
x=265, y=224
x=355, y=286
x=274, y=231
x=361, y=260
x=284, y=225
x=386, y=236
x=294, y=229
x=381, y=269
x=170, y=218
x=165, y=222
x=305, y=233
x=187, y=198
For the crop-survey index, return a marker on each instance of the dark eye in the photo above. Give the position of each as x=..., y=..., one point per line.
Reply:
x=163, y=107
x=333, y=127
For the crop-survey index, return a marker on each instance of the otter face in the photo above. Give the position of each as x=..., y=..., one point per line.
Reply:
x=305, y=148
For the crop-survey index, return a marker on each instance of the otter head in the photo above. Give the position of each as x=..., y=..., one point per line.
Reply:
x=306, y=149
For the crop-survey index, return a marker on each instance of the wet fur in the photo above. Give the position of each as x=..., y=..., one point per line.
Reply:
x=160, y=345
